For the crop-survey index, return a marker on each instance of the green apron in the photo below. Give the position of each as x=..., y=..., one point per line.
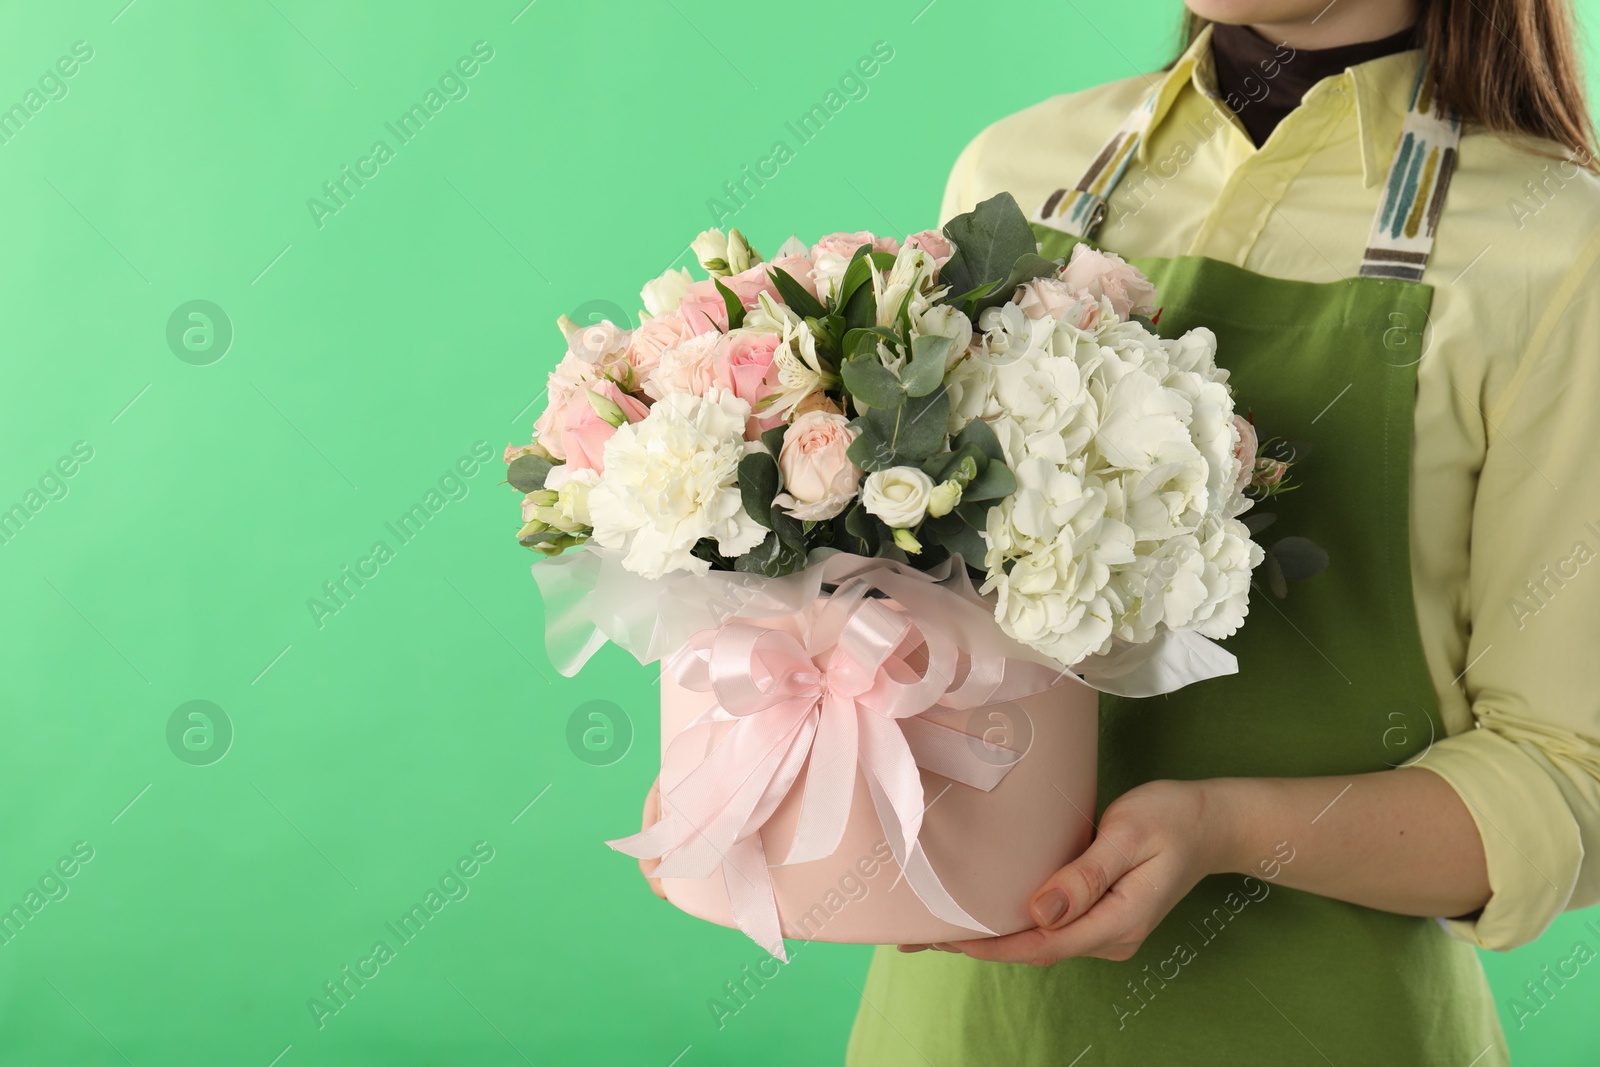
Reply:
x=1331, y=681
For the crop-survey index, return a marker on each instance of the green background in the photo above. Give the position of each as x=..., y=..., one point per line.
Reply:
x=369, y=354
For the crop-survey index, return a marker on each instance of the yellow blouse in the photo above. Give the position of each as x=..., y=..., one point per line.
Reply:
x=1505, y=491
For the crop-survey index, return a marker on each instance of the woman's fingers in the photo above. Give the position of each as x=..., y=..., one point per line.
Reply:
x=652, y=812
x=1072, y=891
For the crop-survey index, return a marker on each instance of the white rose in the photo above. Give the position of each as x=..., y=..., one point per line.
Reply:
x=898, y=496
x=662, y=295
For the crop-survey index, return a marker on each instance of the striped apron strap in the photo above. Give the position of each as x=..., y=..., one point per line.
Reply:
x=1080, y=210
x=1413, y=195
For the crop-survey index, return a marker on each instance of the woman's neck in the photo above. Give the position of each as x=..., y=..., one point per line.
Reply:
x=1342, y=22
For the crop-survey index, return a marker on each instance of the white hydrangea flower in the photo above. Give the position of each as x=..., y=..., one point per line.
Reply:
x=671, y=480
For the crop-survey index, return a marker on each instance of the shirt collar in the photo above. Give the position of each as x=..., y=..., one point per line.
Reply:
x=1381, y=88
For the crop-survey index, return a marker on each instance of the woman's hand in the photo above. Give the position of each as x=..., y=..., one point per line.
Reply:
x=652, y=813
x=1153, y=844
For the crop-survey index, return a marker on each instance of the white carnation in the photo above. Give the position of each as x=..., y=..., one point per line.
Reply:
x=671, y=480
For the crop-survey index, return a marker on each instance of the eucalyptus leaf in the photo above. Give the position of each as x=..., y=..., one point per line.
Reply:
x=862, y=529
x=758, y=484
x=1275, y=578
x=527, y=473
x=925, y=372
x=1257, y=521
x=772, y=558
x=869, y=380
x=906, y=434
x=988, y=241
x=1028, y=266
x=994, y=482
x=1298, y=557
x=981, y=434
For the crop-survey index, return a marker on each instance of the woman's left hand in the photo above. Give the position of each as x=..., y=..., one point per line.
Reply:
x=1153, y=844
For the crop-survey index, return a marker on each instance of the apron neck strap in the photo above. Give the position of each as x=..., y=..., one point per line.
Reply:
x=1413, y=194
x=1402, y=228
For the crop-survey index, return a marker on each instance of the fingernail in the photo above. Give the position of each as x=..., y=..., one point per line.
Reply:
x=944, y=946
x=1050, y=907
x=913, y=948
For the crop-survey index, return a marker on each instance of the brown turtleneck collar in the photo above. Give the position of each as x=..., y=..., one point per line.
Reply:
x=1262, y=81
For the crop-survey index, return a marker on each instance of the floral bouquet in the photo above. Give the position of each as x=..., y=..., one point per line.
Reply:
x=867, y=423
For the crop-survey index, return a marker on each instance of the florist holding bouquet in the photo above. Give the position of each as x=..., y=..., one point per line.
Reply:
x=1294, y=863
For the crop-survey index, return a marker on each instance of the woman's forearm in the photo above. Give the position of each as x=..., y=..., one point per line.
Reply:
x=1398, y=840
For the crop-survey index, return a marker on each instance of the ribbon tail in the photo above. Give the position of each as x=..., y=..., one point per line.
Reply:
x=750, y=894
x=918, y=872
x=830, y=784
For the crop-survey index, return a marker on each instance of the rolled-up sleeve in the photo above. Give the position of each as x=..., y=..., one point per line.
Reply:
x=1530, y=770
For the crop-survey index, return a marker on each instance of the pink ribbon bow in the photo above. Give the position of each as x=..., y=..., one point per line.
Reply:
x=848, y=698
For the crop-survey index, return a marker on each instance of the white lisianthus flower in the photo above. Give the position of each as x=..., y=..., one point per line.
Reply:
x=899, y=496
x=826, y=270
x=671, y=480
x=570, y=512
x=661, y=296
x=711, y=249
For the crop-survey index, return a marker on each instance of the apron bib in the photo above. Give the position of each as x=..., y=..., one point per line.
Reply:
x=1331, y=681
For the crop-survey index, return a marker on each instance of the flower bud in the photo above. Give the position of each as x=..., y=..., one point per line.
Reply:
x=945, y=496
x=907, y=542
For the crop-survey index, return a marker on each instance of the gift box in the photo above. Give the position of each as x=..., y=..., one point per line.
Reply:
x=863, y=771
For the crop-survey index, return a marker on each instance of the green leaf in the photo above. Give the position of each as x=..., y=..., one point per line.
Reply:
x=925, y=372
x=1275, y=578
x=958, y=535
x=994, y=482
x=1298, y=557
x=758, y=484
x=942, y=465
x=859, y=274
x=527, y=473
x=864, y=341
x=772, y=558
x=988, y=242
x=773, y=439
x=903, y=435
x=794, y=294
x=868, y=379
x=980, y=433
x=1257, y=521
x=862, y=531
x=735, y=309
x=789, y=529
x=1025, y=269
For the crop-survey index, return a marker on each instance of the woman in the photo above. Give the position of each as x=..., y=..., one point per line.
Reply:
x=1418, y=298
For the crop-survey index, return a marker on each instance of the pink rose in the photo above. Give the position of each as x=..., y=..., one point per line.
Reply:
x=744, y=365
x=584, y=433
x=703, y=308
x=934, y=243
x=845, y=244
x=1109, y=275
x=800, y=269
x=749, y=284
x=819, y=480
x=1244, y=450
x=572, y=372
x=1053, y=298
x=654, y=337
